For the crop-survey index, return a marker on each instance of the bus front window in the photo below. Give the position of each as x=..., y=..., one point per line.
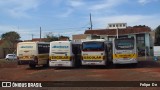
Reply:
x=124, y=44
x=96, y=46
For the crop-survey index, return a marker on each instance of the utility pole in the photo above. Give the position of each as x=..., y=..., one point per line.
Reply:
x=91, y=21
x=117, y=32
x=40, y=34
x=32, y=36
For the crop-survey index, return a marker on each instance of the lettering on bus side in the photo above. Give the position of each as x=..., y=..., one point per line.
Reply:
x=60, y=47
x=26, y=46
x=60, y=57
x=93, y=57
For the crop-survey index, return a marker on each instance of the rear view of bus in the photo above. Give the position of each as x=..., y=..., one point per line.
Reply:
x=61, y=54
x=93, y=52
x=33, y=53
x=124, y=51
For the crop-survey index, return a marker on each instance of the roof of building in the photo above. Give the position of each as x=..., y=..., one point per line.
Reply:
x=79, y=36
x=37, y=39
x=63, y=38
x=128, y=30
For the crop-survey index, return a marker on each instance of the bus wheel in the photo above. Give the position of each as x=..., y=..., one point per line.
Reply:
x=45, y=65
x=32, y=65
x=19, y=62
x=134, y=65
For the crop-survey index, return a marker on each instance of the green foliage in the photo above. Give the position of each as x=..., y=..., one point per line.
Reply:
x=61, y=36
x=157, y=36
x=50, y=37
x=10, y=36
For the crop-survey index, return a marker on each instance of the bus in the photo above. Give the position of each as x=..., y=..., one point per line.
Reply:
x=64, y=54
x=33, y=53
x=124, y=51
x=96, y=52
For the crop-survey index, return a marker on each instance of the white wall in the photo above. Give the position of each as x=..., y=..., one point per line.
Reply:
x=147, y=41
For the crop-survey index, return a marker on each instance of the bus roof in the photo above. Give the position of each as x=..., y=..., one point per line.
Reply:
x=100, y=40
x=33, y=42
x=61, y=41
x=73, y=42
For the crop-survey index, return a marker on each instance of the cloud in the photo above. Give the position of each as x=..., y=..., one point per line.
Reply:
x=76, y=3
x=143, y=2
x=71, y=6
x=66, y=14
x=149, y=20
x=25, y=33
x=106, y=4
x=18, y=9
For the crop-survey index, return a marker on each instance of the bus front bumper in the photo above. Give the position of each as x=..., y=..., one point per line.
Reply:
x=93, y=62
x=25, y=62
x=122, y=61
x=61, y=64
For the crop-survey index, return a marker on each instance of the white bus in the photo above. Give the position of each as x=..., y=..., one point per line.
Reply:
x=33, y=53
x=64, y=54
x=96, y=52
x=124, y=51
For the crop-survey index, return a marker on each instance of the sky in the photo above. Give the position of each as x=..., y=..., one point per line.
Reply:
x=68, y=17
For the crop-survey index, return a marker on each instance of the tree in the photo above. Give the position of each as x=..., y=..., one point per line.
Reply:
x=50, y=37
x=61, y=37
x=157, y=36
x=12, y=37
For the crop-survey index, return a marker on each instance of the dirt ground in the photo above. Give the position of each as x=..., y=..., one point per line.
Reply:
x=146, y=70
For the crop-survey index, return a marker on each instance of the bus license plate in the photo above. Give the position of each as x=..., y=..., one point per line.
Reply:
x=59, y=64
x=92, y=63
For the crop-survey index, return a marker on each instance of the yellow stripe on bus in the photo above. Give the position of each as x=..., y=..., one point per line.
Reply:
x=92, y=57
x=60, y=57
x=115, y=56
x=26, y=57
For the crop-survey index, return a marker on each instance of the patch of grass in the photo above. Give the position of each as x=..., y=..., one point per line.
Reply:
x=2, y=61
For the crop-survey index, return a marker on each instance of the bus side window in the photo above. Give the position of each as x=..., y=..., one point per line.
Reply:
x=43, y=48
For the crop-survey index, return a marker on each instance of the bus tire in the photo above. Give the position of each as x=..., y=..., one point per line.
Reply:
x=74, y=64
x=32, y=65
x=134, y=64
x=19, y=62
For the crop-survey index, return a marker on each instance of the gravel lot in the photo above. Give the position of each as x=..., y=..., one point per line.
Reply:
x=147, y=70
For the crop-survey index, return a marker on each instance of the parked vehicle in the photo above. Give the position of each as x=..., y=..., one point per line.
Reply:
x=96, y=52
x=64, y=54
x=11, y=57
x=33, y=53
x=124, y=51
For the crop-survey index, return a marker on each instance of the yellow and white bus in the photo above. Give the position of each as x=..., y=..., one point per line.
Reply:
x=64, y=54
x=124, y=51
x=33, y=53
x=96, y=52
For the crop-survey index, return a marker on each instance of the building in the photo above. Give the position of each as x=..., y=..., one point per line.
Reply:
x=141, y=33
x=7, y=47
x=63, y=38
x=36, y=40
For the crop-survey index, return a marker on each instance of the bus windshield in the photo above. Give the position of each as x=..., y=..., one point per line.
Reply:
x=124, y=44
x=96, y=46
